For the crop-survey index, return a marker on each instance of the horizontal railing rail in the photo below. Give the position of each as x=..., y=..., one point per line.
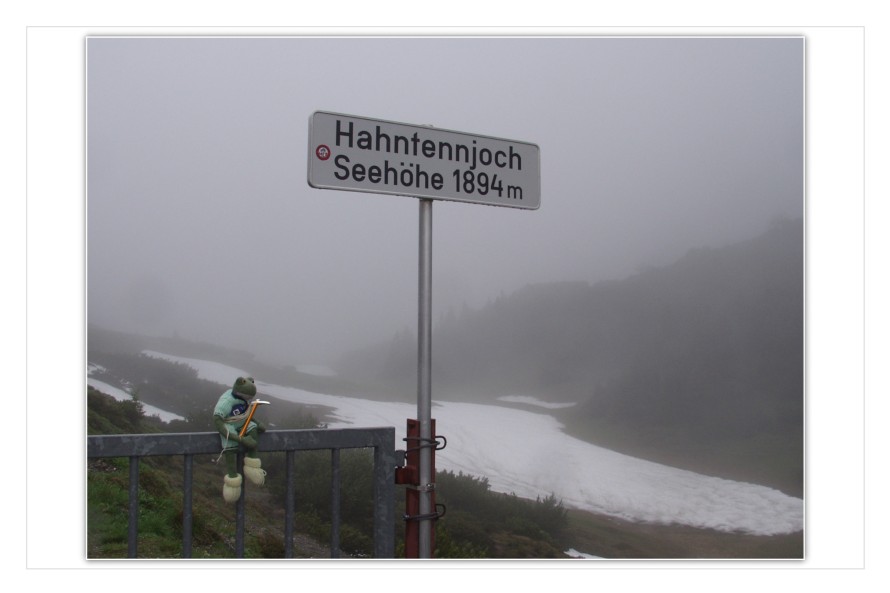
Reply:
x=381, y=440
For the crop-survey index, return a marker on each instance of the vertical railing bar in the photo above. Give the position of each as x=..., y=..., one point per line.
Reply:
x=133, y=527
x=384, y=502
x=289, y=506
x=187, y=506
x=239, y=512
x=335, y=503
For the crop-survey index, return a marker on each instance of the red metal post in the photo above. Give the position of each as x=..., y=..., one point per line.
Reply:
x=409, y=475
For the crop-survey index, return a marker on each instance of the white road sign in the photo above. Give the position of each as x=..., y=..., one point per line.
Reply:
x=353, y=153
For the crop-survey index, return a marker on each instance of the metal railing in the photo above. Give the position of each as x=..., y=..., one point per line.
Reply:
x=381, y=440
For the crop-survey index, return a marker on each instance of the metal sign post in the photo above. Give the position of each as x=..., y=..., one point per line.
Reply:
x=424, y=366
x=352, y=153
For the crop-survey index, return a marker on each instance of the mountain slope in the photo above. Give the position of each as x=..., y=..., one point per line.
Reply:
x=699, y=363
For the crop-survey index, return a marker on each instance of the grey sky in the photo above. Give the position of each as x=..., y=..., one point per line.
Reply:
x=201, y=221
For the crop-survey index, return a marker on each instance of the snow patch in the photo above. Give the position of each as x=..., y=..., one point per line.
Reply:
x=573, y=553
x=121, y=395
x=529, y=455
x=532, y=401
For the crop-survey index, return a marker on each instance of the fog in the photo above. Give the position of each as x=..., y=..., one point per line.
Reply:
x=201, y=223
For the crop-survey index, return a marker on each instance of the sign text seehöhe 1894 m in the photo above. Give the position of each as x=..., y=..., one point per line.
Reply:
x=353, y=153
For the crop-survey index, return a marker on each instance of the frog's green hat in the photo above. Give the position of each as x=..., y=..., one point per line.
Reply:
x=244, y=386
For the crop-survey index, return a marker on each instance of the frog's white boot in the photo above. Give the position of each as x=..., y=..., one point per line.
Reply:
x=253, y=470
x=232, y=488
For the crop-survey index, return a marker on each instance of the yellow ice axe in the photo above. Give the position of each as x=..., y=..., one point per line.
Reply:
x=253, y=407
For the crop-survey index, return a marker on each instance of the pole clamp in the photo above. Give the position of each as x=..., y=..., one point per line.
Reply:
x=433, y=443
x=429, y=516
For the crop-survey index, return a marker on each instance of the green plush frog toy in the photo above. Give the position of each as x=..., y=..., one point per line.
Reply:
x=233, y=417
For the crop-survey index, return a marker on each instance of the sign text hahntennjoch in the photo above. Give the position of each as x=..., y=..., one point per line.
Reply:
x=348, y=152
x=382, y=142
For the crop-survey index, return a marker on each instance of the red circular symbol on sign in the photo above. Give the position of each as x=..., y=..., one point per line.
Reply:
x=323, y=152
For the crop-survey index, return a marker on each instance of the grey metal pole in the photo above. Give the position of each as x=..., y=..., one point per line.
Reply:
x=424, y=363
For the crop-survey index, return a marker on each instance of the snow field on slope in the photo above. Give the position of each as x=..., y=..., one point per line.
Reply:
x=529, y=455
